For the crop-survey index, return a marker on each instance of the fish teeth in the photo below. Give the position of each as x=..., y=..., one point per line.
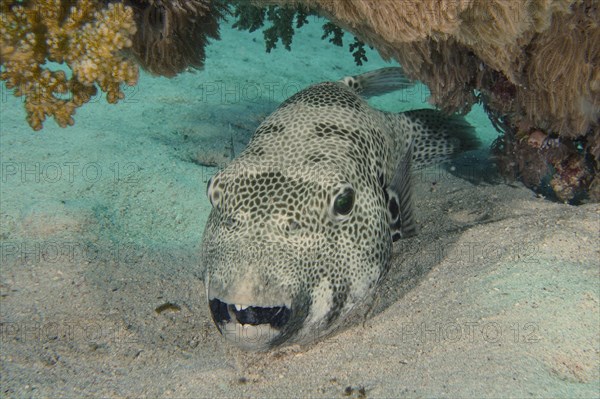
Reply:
x=239, y=307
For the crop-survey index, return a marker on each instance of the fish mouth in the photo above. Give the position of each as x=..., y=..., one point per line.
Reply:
x=249, y=326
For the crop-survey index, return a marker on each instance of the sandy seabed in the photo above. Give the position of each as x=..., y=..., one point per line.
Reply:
x=498, y=295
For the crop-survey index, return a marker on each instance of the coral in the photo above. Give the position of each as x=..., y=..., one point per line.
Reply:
x=562, y=78
x=282, y=27
x=252, y=17
x=87, y=36
x=550, y=166
x=570, y=176
x=548, y=50
x=594, y=189
x=172, y=35
x=99, y=41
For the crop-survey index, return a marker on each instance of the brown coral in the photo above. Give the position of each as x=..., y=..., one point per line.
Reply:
x=85, y=35
x=549, y=50
x=172, y=35
x=561, y=90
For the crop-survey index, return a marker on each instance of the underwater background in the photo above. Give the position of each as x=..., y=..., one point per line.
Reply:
x=101, y=290
x=168, y=135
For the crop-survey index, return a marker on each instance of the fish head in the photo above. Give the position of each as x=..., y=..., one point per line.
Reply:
x=291, y=253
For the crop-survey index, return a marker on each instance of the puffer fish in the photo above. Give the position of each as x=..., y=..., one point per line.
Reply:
x=302, y=223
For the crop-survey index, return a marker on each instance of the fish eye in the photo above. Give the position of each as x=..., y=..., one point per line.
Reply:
x=343, y=202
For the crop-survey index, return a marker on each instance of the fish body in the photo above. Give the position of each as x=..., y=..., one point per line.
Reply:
x=303, y=220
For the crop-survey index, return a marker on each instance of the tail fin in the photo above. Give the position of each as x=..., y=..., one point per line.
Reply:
x=378, y=82
x=435, y=136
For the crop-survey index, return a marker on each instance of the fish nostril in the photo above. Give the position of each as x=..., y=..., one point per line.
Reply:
x=230, y=223
x=293, y=225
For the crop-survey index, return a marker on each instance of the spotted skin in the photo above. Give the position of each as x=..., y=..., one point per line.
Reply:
x=280, y=238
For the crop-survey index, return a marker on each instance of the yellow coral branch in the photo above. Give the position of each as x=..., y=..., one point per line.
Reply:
x=86, y=36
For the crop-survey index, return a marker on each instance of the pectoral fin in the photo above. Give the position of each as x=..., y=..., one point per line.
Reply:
x=400, y=204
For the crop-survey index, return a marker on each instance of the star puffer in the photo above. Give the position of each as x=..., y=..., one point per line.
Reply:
x=303, y=221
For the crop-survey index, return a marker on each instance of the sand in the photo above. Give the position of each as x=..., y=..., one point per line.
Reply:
x=498, y=295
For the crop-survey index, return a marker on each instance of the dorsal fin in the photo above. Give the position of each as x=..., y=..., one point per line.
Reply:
x=400, y=204
x=378, y=82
